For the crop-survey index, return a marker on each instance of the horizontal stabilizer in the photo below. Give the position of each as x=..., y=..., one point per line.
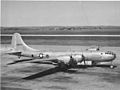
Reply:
x=14, y=53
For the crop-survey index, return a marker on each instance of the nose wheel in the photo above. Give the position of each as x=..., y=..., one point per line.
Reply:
x=112, y=66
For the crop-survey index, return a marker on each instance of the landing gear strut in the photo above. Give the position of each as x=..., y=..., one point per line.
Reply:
x=93, y=63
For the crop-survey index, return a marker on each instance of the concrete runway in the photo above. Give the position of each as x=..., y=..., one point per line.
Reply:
x=92, y=78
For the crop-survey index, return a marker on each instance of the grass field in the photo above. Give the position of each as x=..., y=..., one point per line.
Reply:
x=93, y=78
x=80, y=41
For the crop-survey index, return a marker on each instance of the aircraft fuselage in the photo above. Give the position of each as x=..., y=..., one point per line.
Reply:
x=96, y=56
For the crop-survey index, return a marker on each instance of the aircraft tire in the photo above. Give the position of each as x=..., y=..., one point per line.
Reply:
x=111, y=67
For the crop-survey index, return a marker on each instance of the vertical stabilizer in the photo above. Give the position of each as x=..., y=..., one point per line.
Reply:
x=18, y=43
x=13, y=42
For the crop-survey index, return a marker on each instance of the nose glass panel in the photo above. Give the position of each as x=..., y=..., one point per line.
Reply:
x=109, y=52
x=114, y=56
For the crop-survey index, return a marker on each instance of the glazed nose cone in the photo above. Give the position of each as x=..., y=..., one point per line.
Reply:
x=114, y=56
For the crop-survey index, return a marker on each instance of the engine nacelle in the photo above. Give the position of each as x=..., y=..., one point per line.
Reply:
x=77, y=57
x=70, y=60
x=64, y=59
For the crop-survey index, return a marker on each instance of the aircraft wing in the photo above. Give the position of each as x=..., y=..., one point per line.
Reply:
x=53, y=61
x=19, y=61
x=44, y=62
x=59, y=60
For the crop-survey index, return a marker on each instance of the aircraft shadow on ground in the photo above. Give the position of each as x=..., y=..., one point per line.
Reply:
x=44, y=73
x=57, y=69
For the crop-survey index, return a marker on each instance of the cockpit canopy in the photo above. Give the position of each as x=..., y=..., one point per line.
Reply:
x=109, y=52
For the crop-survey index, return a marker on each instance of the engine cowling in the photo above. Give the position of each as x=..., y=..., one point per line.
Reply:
x=77, y=57
x=70, y=60
x=64, y=59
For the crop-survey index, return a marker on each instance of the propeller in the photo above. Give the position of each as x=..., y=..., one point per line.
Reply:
x=83, y=59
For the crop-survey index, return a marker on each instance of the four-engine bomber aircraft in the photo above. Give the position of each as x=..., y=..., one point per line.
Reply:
x=60, y=59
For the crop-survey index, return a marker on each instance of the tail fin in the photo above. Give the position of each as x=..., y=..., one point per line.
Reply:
x=18, y=44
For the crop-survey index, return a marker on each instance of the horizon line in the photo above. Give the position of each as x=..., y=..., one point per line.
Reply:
x=62, y=25
x=67, y=35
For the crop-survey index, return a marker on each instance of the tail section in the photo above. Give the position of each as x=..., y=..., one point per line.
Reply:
x=19, y=45
x=13, y=42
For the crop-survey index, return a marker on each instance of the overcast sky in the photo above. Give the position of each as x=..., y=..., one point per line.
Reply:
x=24, y=13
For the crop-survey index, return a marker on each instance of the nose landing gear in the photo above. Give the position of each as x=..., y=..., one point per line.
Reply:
x=112, y=66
